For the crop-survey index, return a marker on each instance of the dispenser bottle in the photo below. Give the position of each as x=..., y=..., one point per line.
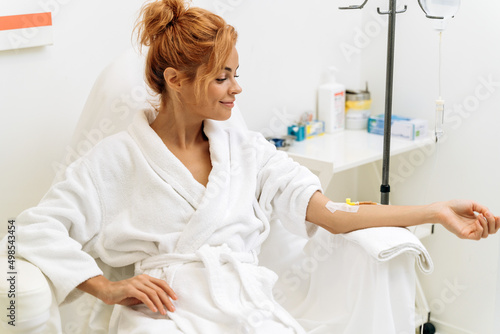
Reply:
x=331, y=103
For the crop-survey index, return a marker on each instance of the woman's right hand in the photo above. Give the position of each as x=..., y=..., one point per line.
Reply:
x=155, y=293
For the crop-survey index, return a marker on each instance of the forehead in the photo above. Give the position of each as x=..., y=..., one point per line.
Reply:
x=232, y=62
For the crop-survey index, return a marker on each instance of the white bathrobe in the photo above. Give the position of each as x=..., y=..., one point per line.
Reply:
x=131, y=201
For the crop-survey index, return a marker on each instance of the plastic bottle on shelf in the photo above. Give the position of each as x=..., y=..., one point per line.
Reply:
x=331, y=103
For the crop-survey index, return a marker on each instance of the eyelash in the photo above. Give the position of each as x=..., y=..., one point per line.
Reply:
x=222, y=80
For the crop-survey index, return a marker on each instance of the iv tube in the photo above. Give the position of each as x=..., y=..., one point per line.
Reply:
x=439, y=102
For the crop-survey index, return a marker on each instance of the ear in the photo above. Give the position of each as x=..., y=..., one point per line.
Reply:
x=172, y=79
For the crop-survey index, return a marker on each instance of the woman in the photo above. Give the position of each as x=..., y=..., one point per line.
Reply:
x=189, y=203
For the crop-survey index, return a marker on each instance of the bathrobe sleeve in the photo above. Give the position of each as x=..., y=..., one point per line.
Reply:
x=285, y=188
x=57, y=235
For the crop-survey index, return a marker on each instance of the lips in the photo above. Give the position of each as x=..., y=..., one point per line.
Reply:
x=228, y=104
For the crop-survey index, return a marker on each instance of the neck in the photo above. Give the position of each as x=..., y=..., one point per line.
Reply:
x=176, y=126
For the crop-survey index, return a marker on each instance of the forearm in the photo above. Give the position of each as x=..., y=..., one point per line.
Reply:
x=366, y=216
x=94, y=286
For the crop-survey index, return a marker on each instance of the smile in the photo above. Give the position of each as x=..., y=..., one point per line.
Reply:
x=228, y=104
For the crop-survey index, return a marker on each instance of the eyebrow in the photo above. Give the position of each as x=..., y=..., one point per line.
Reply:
x=229, y=69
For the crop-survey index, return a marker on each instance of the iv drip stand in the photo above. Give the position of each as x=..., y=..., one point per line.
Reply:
x=392, y=12
x=385, y=188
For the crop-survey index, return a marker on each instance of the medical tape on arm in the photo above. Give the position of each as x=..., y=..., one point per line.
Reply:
x=332, y=207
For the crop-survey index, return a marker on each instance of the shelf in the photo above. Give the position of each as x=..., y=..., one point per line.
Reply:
x=345, y=150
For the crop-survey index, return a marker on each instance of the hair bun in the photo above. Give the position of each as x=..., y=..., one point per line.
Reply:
x=177, y=8
x=157, y=16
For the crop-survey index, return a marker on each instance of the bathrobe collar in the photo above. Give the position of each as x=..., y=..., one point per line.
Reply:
x=210, y=203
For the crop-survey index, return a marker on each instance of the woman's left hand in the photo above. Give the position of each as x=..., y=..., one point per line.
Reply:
x=467, y=219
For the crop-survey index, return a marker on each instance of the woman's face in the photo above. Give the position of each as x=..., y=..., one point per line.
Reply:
x=221, y=92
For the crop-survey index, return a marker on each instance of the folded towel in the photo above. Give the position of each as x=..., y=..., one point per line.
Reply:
x=385, y=243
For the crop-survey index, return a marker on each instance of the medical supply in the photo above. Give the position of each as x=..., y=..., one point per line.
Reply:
x=402, y=127
x=331, y=104
x=306, y=127
x=441, y=11
x=438, y=129
x=357, y=109
x=282, y=143
x=315, y=128
x=299, y=131
x=307, y=130
x=348, y=201
x=332, y=207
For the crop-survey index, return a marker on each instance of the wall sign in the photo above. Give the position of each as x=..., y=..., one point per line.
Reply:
x=25, y=30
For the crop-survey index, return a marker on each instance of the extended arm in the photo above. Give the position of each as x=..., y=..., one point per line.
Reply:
x=466, y=219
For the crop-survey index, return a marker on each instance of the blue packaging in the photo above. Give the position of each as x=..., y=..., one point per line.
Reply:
x=376, y=123
x=403, y=127
x=299, y=131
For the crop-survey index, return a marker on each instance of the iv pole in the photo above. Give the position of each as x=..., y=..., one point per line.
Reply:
x=385, y=188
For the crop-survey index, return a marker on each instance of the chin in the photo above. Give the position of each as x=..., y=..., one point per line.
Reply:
x=223, y=117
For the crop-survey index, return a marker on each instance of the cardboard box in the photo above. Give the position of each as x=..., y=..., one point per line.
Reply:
x=401, y=127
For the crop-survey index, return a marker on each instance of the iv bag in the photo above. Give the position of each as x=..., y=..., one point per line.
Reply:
x=441, y=10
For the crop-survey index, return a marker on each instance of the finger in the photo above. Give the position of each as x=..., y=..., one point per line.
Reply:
x=144, y=298
x=157, y=296
x=164, y=285
x=478, y=233
x=484, y=224
x=491, y=223
x=147, y=293
x=476, y=207
x=497, y=220
x=162, y=298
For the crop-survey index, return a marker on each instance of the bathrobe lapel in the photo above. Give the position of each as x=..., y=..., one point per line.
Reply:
x=210, y=203
x=214, y=205
x=164, y=162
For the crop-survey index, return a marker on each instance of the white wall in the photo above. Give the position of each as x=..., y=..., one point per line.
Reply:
x=284, y=48
x=467, y=162
x=43, y=90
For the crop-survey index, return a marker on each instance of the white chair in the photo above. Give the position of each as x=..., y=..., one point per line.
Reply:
x=330, y=283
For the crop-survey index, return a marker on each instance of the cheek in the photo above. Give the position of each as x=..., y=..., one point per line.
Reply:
x=216, y=92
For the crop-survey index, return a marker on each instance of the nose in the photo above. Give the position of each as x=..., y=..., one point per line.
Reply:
x=235, y=88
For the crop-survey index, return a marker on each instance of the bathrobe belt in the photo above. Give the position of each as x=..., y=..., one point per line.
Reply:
x=252, y=278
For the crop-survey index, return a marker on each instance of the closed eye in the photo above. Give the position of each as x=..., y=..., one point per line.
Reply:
x=224, y=79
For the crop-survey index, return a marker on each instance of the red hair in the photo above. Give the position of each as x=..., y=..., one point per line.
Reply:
x=192, y=40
